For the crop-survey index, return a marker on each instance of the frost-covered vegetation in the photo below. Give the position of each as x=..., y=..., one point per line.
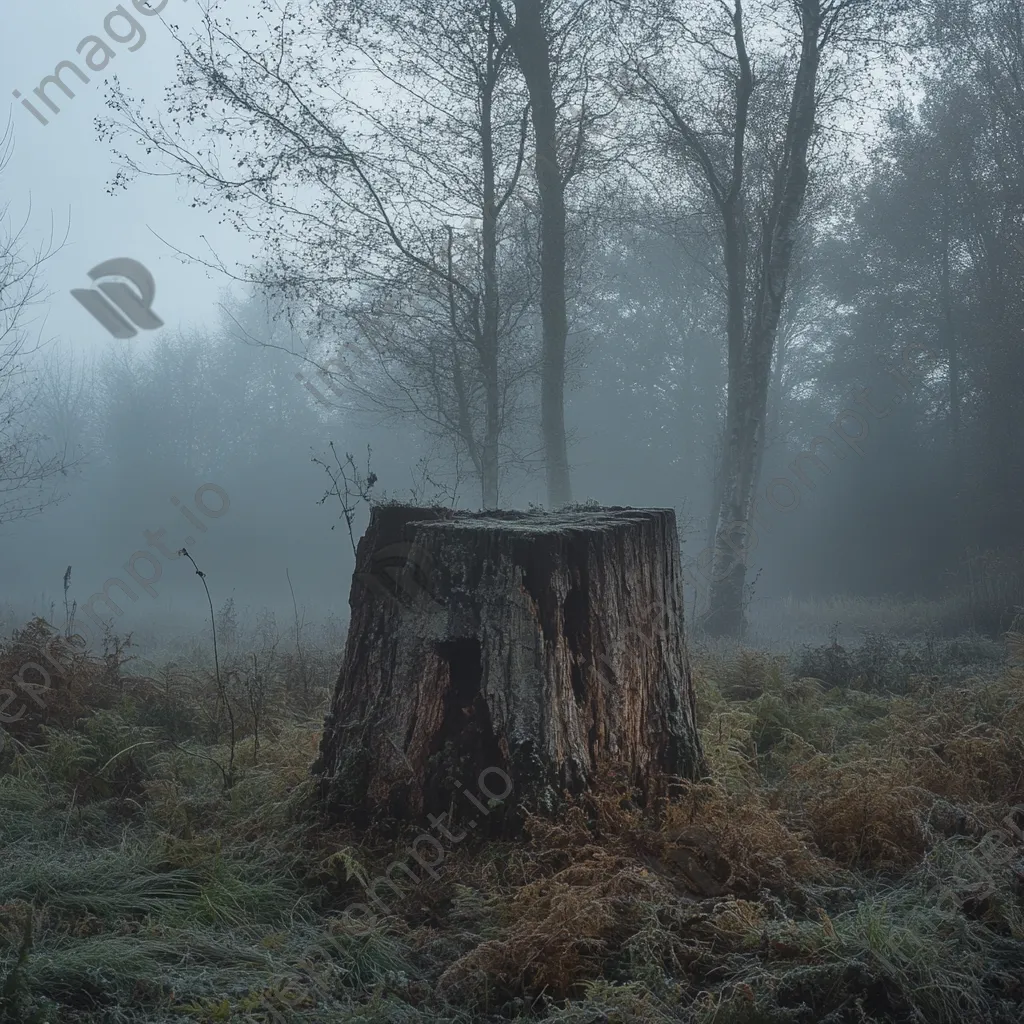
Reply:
x=853, y=858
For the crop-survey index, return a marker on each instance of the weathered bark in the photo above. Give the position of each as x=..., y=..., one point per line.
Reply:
x=538, y=645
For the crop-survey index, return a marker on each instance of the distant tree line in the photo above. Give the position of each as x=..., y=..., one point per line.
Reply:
x=668, y=245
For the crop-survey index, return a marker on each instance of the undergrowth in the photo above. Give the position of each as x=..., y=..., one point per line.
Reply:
x=854, y=857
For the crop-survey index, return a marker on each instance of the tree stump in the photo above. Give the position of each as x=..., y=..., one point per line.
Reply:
x=530, y=647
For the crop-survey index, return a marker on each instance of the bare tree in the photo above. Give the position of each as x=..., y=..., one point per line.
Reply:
x=29, y=467
x=553, y=42
x=455, y=322
x=390, y=198
x=746, y=133
x=64, y=401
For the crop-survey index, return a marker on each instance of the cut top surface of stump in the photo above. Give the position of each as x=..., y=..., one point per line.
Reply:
x=542, y=522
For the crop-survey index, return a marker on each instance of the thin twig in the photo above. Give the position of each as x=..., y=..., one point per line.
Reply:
x=216, y=664
x=298, y=643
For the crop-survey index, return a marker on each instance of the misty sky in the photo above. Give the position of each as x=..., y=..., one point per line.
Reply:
x=644, y=399
x=59, y=174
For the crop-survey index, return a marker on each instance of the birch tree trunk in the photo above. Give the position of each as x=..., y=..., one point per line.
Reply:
x=769, y=209
x=779, y=224
x=536, y=647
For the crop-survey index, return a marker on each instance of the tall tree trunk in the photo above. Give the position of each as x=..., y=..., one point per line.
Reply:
x=774, y=420
x=948, y=332
x=464, y=415
x=489, y=345
x=537, y=647
x=727, y=570
x=728, y=577
x=717, y=491
x=530, y=42
x=750, y=360
x=760, y=441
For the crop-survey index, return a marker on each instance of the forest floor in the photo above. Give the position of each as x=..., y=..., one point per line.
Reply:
x=863, y=859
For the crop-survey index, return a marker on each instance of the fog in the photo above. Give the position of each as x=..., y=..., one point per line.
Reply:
x=510, y=510
x=888, y=465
